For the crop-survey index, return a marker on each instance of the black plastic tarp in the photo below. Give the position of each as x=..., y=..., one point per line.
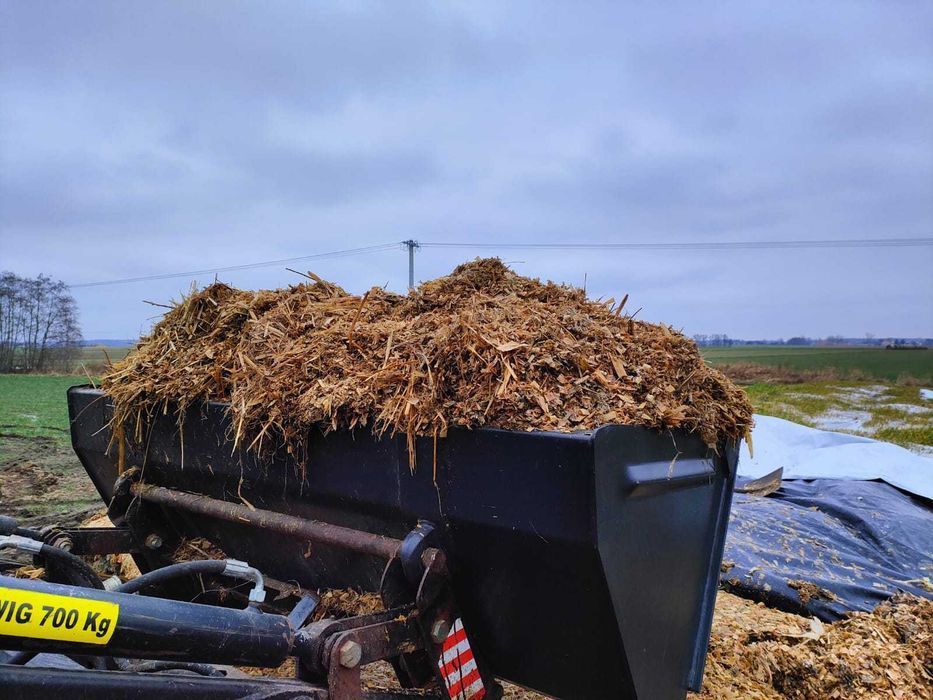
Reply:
x=828, y=547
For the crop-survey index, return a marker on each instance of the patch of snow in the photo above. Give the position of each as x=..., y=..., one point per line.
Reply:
x=804, y=395
x=835, y=419
x=861, y=393
x=926, y=394
x=909, y=408
x=896, y=424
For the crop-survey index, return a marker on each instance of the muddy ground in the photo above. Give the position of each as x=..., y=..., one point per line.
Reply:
x=43, y=483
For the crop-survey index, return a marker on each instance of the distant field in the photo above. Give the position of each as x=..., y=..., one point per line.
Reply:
x=34, y=405
x=874, y=363
x=862, y=363
x=94, y=357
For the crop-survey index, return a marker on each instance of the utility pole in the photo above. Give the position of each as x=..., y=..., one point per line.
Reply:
x=411, y=245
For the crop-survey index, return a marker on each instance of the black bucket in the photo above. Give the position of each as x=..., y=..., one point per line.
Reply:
x=586, y=564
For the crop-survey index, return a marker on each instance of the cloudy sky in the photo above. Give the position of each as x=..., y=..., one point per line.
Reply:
x=148, y=138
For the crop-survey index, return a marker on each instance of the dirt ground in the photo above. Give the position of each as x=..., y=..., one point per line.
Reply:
x=42, y=482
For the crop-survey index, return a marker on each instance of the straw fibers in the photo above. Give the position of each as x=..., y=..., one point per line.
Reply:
x=757, y=653
x=480, y=347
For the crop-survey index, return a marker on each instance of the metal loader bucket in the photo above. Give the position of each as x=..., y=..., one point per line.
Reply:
x=586, y=565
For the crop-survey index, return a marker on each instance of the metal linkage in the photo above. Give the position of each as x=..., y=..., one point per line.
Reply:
x=414, y=632
x=311, y=530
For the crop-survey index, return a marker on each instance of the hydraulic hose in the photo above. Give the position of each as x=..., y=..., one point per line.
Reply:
x=83, y=573
x=159, y=666
x=10, y=526
x=173, y=571
x=223, y=567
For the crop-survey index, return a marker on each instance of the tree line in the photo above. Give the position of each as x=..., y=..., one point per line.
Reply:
x=39, y=329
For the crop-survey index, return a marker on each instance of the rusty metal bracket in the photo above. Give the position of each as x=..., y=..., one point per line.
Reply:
x=93, y=540
x=350, y=650
x=343, y=672
x=312, y=642
x=437, y=608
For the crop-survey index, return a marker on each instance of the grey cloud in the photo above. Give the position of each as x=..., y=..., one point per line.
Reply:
x=238, y=54
x=71, y=192
x=138, y=138
x=315, y=178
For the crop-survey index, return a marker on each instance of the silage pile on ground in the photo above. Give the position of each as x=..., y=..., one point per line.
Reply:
x=482, y=346
x=757, y=653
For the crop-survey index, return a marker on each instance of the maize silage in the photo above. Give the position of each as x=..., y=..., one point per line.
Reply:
x=480, y=347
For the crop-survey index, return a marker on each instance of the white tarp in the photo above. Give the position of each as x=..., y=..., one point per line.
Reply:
x=808, y=453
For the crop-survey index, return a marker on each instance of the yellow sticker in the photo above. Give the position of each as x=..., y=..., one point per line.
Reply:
x=59, y=617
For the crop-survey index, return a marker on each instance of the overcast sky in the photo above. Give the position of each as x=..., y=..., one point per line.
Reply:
x=146, y=138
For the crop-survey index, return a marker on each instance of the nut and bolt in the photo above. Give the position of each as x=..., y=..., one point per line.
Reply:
x=439, y=631
x=153, y=541
x=62, y=541
x=350, y=654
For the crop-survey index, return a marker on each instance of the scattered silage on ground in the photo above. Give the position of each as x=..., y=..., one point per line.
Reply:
x=757, y=653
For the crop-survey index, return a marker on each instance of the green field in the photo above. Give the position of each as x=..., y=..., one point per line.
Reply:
x=41, y=479
x=34, y=405
x=851, y=362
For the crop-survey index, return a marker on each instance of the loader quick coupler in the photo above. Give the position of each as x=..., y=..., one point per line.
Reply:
x=420, y=633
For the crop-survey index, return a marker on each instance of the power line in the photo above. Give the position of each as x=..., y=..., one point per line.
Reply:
x=491, y=245
x=697, y=245
x=248, y=266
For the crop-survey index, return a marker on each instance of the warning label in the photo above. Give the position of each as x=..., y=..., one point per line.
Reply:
x=46, y=616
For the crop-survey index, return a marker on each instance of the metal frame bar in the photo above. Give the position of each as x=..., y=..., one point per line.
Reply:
x=312, y=530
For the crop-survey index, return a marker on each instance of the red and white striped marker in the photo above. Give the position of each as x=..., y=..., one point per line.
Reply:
x=458, y=667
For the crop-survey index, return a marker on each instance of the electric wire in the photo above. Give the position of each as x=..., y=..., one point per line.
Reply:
x=246, y=266
x=493, y=245
x=693, y=245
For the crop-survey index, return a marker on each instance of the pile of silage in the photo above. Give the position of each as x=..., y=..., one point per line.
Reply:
x=757, y=653
x=480, y=347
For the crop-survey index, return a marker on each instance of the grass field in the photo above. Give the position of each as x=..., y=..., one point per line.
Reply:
x=845, y=362
x=34, y=405
x=41, y=480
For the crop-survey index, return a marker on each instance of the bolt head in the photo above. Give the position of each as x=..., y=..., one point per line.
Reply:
x=153, y=541
x=439, y=631
x=62, y=542
x=350, y=654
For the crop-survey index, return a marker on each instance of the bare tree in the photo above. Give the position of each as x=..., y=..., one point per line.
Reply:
x=38, y=324
x=9, y=331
